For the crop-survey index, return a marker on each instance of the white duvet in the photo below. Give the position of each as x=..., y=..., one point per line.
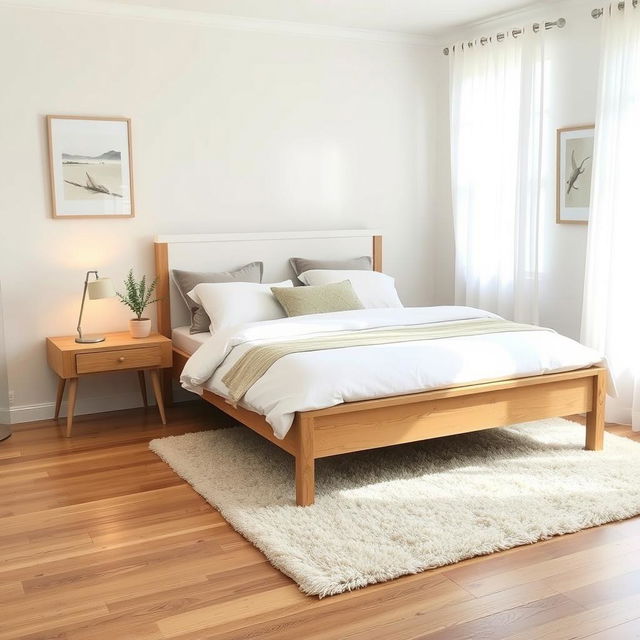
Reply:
x=320, y=379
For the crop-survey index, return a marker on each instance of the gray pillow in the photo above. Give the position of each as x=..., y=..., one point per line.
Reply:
x=325, y=298
x=300, y=265
x=187, y=280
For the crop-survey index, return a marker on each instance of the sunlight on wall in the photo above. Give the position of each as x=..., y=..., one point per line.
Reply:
x=86, y=252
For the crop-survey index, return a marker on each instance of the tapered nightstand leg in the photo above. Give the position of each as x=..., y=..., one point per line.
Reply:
x=143, y=387
x=157, y=391
x=59, y=394
x=71, y=404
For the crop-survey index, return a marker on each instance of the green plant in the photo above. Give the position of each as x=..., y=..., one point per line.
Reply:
x=138, y=295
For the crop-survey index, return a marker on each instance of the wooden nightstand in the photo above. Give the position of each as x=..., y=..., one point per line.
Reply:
x=119, y=352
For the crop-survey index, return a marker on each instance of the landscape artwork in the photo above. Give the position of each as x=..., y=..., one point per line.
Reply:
x=90, y=162
x=575, y=162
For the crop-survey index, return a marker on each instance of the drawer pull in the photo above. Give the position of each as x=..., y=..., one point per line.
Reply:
x=121, y=359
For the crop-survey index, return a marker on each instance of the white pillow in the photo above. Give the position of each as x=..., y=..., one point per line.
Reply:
x=232, y=303
x=375, y=290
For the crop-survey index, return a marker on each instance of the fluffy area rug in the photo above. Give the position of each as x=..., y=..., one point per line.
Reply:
x=388, y=512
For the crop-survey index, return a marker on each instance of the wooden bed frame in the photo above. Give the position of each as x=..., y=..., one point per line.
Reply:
x=356, y=426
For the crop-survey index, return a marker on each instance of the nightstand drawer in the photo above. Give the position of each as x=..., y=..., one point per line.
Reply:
x=118, y=359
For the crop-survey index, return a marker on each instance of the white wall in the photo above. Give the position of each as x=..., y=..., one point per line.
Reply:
x=233, y=130
x=572, y=58
x=443, y=219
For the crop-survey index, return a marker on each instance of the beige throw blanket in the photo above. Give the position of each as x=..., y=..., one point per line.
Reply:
x=257, y=360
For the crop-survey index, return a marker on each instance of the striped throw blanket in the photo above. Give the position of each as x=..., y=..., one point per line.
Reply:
x=256, y=361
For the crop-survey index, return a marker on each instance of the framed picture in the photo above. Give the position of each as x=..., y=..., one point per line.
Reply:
x=575, y=160
x=90, y=167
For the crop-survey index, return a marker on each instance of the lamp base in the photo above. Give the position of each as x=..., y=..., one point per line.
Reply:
x=90, y=339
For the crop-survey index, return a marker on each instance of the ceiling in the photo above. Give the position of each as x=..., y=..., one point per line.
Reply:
x=425, y=17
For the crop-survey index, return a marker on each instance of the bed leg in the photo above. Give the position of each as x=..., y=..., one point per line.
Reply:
x=305, y=463
x=595, y=417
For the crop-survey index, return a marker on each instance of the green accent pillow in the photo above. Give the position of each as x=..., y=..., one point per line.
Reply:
x=325, y=298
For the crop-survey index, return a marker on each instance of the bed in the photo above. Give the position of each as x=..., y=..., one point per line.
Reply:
x=370, y=423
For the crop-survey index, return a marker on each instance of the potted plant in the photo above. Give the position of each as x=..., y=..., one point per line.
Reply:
x=138, y=298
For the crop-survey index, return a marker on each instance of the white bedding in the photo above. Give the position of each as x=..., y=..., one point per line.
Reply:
x=186, y=341
x=319, y=379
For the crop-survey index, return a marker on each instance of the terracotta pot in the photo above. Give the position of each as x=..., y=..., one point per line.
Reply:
x=139, y=328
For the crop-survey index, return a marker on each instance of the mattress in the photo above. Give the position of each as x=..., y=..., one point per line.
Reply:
x=304, y=381
x=186, y=341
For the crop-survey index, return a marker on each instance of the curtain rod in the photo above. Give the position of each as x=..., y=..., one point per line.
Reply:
x=536, y=26
x=596, y=13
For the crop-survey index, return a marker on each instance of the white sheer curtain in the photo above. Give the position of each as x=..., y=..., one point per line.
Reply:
x=611, y=311
x=496, y=128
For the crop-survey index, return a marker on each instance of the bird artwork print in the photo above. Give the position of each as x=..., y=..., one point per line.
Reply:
x=576, y=171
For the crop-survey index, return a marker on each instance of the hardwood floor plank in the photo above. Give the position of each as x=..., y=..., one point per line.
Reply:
x=232, y=612
x=10, y=481
x=626, y=631
x=7, y=453
x=605, y=589
x=585, y=623
x=614, y=567
x=113, y=629
x=505, y=623
x=99, y=539
x=133, y=569
x=469, y=571
x=381, y=608
x=10, y=591
x=107, y=455
x=576, y=563
x=246, y=580
x=97, y=512
x=30, y=553
x=427, y=619
x=107, y=537
x=94, y=556
x=33, y=619
x=85, y=599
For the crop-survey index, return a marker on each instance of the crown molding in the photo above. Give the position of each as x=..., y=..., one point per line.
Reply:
x=103, y=8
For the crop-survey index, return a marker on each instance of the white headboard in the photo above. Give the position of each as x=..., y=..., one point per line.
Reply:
x=228, y=251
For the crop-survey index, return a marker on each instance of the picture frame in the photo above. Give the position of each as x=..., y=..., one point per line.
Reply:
x=90, y=167
x=573, y=174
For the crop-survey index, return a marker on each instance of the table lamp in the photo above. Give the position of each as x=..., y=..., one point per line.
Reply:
x=97, y=289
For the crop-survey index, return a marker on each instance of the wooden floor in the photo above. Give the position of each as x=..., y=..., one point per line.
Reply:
x=100, y=539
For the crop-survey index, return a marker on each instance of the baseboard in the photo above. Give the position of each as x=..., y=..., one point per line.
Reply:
x=45, y=410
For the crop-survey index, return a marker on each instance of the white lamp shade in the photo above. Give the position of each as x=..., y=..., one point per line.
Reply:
x=101, y=288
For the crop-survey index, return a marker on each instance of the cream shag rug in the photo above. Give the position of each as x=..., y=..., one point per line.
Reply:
x=388, y=512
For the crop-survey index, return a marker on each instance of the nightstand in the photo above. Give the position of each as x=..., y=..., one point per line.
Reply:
x=118, y=352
